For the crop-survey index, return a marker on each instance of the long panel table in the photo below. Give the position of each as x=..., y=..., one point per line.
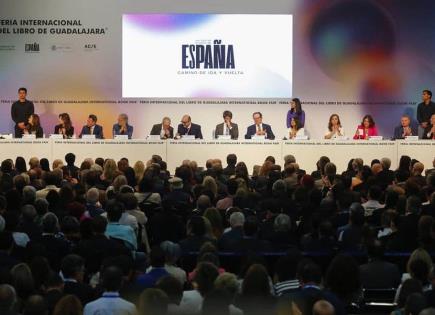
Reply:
x=133, y=149
x=251, y=152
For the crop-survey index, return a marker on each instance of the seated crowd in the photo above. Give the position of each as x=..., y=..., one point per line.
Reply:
x=114, y=238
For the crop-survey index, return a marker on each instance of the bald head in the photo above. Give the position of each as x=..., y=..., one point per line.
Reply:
x=323, y=307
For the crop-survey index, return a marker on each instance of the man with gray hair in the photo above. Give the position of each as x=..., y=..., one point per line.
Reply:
x=29, y=195
x=386, y=176
x=8, y=298
x=122, y=127
x=93, y=207
x=235, y=234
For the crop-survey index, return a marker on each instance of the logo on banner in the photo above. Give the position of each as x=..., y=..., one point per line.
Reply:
x=7, y=47
x=61, y=48
x=90, y=47
x=31, y=48
x=208, y=56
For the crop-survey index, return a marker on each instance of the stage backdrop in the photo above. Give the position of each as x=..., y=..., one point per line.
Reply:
x=350, y=57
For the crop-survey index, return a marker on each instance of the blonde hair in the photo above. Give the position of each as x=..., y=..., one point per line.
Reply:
x=139, y=170
x=110, y=169
x=58, y=163
x=210, y=184
x=227, y=281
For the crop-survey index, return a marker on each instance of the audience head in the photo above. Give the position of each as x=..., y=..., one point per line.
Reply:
x=256, y=282
x=35, y=305
x=153, y=301
x=8, y=298
x=323, y=307
x=205, y=275
x=73, y=267
x=172, y=287
x=68, y=304
x=112, y=279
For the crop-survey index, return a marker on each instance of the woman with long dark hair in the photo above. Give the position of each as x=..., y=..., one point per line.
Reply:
x=295, y=111
x=367, y=128
x=295, y=130
x=33, y=126
x=64, y=127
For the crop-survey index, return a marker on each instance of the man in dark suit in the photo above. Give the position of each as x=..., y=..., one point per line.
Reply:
x=187, y=128
x=164, y=129
x=250, y=241
x=377, y=273
x=405, y=129
x=258, y=128
x=227, y=127
x=73, y=270
x=91, y=128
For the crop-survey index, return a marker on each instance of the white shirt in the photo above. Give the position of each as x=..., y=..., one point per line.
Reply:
x=371, y=205
x=226, y=129
x=335, y=134
x=299, y=133
x=191, y=302
x=110, y=304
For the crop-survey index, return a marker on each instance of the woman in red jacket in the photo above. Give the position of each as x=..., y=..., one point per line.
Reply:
x=366, y=129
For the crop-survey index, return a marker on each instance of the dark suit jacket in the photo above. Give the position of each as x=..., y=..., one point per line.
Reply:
x=379, y=274
x=195, y=130
x=398, y=131
x=98, y=131
x=39, y=132
x=427, y=134
x=252, y=130
x=227, y=240
x=157, y=128
x=82, y=291
x=68, y=133
x=234, y=132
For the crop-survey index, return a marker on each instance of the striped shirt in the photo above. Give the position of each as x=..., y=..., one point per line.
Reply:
x=286, y=286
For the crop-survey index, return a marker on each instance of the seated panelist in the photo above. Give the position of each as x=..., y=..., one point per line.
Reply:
x=295, y=130
x=165, y=130
x=405, y=129
x=64, y=127
x=259, y=128
x=91, y=128
x=367, y=129
x=227, y=128
x=122, y=127
x=335, y=129
x=33, y=126
x=187, y=128
x=429, y=132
